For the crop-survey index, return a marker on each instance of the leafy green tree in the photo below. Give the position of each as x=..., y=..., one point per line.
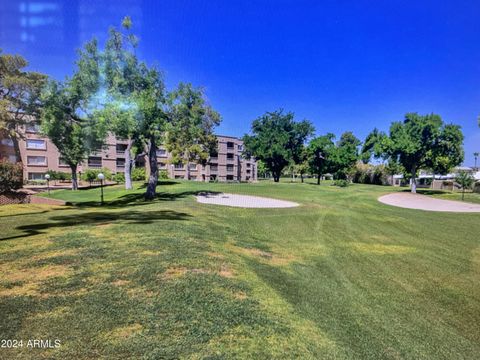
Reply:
x=19, y=97
x=66, y=113
x=466, y=180
x=345, y=155
x=11, y=176
x=261, y=169
x=191, y=122
x=320, y=151
x=277, y=140
x=302, y=168
x=373, y=146
x=122, y=82
x=136, y=93
x=424, y=142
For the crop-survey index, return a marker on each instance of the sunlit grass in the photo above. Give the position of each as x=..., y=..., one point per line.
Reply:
x=342, y=276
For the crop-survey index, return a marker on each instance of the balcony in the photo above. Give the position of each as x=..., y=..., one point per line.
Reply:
x=120, y=149
x=94, y=162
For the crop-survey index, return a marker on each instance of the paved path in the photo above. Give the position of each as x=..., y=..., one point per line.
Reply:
x=423, y=202
x=243, y=201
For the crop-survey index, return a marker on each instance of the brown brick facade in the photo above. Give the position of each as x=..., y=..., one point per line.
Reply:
x=39, y=155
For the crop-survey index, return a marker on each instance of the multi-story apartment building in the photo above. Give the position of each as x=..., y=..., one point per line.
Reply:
x=39, y=154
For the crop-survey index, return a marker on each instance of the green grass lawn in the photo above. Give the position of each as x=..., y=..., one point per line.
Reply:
x=340, y=277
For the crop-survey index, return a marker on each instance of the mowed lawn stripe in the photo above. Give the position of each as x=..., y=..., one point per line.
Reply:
x=341, y=276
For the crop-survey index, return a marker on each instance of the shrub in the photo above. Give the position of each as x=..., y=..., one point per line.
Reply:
x=369, y=174
x=91, y=175
x=163, y=175
x=138, y=174
x=119, y=177
x=11, y=176
x=59, y=175
x=341, y=183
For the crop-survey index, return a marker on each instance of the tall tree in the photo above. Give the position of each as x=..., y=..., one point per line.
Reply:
x=475, y=155
x=346, y=154
x=191, y=122
x=20, y=92
x=139, y=92
x=66, y=114
x=122, y=80
x=277, y=140
x=320, y=151
x=424, y=142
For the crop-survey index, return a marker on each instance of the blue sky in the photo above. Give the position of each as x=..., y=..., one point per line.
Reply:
x=344, y=65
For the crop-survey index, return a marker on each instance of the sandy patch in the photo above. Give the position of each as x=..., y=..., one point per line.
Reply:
x=244, y=201
x=423, y=202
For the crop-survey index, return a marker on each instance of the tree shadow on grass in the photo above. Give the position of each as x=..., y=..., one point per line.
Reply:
x=429, y=191
x=98, y=217
x=137, y=199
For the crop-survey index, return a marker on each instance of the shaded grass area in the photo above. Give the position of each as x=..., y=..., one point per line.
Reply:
x=341, y=276
x=449, y=195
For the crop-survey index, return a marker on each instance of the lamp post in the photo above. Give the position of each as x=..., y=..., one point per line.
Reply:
x=100, y=176
x=47, y=177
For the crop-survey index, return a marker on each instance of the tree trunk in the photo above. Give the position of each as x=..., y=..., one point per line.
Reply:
x=128, y=165
x=301, y=177
x=276, y=176
x=318, y=178
x=16, y=148
x=74, y=177
x=463, y=193
x=414, y=181
x=153, y=176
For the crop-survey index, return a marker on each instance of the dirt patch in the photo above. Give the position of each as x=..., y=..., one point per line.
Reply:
x=269, y=257
x=125, y=331
x=120, y=282
x=225, y=271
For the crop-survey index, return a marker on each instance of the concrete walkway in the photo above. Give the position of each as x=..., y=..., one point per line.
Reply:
x=423, y=202
x=243, y=201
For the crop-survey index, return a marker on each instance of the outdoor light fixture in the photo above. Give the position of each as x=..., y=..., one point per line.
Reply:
x=47, y=177
x=100, y=176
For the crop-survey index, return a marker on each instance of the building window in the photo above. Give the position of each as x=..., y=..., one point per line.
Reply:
x=178, y=166
x=162, y=165
x=12, y=158
x=94, y=162
x=121, y=148
x=230, y=168
x=36, y=176
x=61, y=162
x=161, y=152
x=178, y=176
x=248, y=178
x=213, y=167
x=230, y=145
x=240, y=147
x=192, y=166
x=229, y=177
x=120, y=163
x=32, y=128
x=36, y=160
x=36, y=144
x=248, y=165
x=230, y=156
x=214, y=156
x=248, y=171
x=7, y=142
